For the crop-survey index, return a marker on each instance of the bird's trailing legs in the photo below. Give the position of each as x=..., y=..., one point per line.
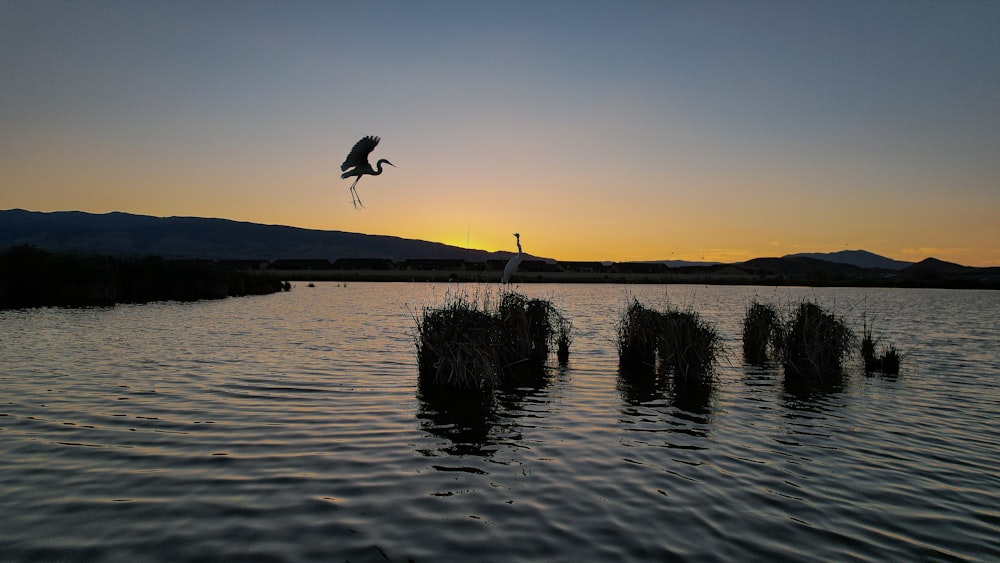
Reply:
x=355, y=198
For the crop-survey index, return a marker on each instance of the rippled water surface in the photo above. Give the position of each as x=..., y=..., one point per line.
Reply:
x=290, y=427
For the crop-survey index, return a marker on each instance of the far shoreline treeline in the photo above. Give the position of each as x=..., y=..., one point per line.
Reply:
x=789, y=271
x=30, y=277
x=33, y=277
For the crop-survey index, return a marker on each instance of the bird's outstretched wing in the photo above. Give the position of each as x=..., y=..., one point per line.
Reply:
x=359, y=154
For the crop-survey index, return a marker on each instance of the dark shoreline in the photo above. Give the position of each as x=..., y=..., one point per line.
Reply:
x=30, y=277
x=466, y=276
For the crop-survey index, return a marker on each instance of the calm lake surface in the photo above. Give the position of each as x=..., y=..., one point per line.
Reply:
x=290, y=427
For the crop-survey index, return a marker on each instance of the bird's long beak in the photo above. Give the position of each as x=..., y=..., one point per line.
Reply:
x=390, y=164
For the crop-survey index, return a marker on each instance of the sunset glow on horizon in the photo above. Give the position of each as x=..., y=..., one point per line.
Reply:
x=597, y=130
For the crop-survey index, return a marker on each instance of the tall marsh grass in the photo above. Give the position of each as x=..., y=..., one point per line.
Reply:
x=672, y=341
x=811, y=343
x=455, y=346
x=762, y=332
x=887, y=362
x=637, y=336
x=481, y=343
x=814, y=345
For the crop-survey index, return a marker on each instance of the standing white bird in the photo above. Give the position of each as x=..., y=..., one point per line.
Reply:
x=514, y=261
x=357, y=160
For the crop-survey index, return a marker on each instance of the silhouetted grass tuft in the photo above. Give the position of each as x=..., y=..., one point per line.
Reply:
x=686, y=344
x=564, y=339
x=465, y=344
x=887, y=363
x=637, y=336
x=681, y=341
x=761, y=332
x=455, y=346
x=815, y=342
x=891, y=360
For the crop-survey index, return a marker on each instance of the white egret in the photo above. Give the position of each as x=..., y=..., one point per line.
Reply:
x=514, y=261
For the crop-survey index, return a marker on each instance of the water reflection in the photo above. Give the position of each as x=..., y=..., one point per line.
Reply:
x=464, y=418
x=664, y=411
x=803, y=391
x=792, y=390
x=659, y=403
x=477, y=423
x=762, y=375
x=639, y=386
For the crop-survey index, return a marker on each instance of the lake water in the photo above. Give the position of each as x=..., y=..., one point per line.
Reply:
x=290, y=427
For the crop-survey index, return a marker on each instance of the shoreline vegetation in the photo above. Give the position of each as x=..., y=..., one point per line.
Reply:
x=30, y=277
x=787, y=271
x=456, y=275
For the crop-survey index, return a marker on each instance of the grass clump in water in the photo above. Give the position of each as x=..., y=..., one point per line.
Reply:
x=686, y=344
x=525, y=328
x=814, y=345
x=469, y=345
x=886, y=363
x=680, y=341
x=455, y=346
x=637, y=336
x=564, y=338
x=761, y=332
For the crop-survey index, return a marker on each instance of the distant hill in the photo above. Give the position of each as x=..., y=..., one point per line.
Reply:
x=935, y=266
x=860, y=258
x=682, y=263
x=124, y=234
x=802, y=266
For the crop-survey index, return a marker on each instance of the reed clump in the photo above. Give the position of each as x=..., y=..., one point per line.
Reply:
x=564, y=338
x=637, y=336
x=525, y=328
x=686, y=344
x=814, y=345
x=455, y=346
x=672, y=340
x=891, y=359
x=469, y=344
x=886, y=363
x=762, y=332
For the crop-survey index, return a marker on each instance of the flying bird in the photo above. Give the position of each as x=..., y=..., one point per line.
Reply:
x=514, y=261
x=357, y=161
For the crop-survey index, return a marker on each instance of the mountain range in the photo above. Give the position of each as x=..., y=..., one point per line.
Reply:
x=860, y=258
x=124, y=234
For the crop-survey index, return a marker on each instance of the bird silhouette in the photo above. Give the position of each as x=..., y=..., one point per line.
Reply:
x=514, y=261
x=357, y=161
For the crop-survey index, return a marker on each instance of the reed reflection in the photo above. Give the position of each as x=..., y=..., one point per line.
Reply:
x=803, y=393
x=763, y=376
x=691, y=398
x=477, y=422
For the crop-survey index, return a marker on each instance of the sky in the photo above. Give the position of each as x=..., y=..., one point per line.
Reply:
x=598, y=130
